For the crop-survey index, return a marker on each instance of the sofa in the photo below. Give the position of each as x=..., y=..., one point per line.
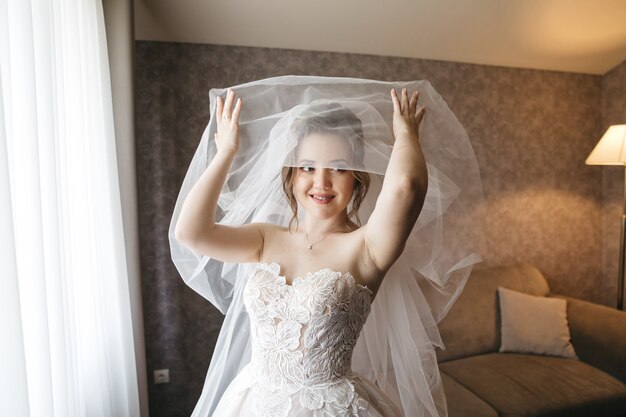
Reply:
x=479, y=380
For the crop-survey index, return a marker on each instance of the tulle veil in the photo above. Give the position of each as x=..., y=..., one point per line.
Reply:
x=396, y=348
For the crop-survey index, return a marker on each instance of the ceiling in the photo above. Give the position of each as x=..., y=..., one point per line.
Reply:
x=584, y=36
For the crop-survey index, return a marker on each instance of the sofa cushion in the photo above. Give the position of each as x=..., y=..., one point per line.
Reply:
x=463, y=402
x=532, y=324
x=472, y=325
x=518, y=385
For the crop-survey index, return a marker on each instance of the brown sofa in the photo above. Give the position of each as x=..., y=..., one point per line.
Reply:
x=480, y=381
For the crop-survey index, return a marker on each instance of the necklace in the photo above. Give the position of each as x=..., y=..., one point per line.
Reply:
x=310, y=245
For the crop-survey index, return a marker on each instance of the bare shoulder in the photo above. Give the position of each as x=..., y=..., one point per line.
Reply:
x=368, y=272
x=270, y=230
x=272, y=235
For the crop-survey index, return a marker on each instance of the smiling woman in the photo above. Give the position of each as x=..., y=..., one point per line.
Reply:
x=314, y=222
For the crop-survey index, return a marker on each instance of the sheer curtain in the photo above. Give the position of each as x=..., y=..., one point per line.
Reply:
x=65, y=317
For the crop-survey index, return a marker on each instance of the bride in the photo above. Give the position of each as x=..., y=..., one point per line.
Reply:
x=307, y=283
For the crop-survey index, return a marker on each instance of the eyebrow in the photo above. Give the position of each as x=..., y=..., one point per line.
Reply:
x=334, y=160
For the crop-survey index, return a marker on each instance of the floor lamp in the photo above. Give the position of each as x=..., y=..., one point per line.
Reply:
x=611, y=150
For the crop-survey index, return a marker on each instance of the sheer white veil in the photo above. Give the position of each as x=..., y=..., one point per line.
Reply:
x=396, y=348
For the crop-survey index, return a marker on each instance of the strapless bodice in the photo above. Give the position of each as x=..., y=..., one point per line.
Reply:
x=303, y=333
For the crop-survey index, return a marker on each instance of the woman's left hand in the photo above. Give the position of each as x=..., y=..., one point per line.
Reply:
x=406, y=115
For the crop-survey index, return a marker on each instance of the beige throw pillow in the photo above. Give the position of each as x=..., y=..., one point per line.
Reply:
x=532, y=324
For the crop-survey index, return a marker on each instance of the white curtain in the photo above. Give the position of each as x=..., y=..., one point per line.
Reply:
x=66, y=345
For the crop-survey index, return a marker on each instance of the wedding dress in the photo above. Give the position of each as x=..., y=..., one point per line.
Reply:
x=303, y=335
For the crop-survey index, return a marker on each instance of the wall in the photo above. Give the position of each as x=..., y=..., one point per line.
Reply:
x=531, y=131
x=118, y=17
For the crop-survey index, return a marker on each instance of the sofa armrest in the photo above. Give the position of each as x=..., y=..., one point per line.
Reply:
x=598, y=335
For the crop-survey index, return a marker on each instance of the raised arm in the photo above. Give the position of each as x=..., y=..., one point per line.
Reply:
x=404, y=187
x=196, y=227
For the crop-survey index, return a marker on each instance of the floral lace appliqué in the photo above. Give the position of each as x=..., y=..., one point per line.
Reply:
x=303, y=336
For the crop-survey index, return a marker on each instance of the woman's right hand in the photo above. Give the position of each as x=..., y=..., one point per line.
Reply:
x=227, y=136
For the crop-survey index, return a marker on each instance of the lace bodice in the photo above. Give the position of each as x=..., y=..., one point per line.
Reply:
x=303, y=335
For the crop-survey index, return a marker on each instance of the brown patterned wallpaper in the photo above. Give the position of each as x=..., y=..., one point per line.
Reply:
x=531, y=131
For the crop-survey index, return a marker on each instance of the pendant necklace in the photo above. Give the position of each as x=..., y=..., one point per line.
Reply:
x=310, y=245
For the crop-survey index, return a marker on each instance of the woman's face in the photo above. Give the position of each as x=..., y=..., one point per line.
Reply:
x=322, y=184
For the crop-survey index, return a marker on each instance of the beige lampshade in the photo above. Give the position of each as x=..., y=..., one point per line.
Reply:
x=611, y=149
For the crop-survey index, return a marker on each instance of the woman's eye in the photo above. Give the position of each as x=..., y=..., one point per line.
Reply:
x=332, y=169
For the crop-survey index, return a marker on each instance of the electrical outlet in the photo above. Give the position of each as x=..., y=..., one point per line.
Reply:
x=162, y=376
